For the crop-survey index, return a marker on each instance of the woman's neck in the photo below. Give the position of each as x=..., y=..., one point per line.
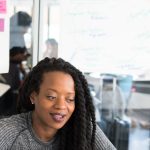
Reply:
x=43, y=133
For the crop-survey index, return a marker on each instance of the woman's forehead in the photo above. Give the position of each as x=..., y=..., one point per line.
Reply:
x=57, y=77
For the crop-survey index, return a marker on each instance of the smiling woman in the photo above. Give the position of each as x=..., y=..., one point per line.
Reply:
x=54, y=103
x=56, y=112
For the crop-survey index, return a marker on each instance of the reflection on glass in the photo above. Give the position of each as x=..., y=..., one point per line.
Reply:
x=49, y=29
x=20, y=26
x=20, y=22
x=51, y=48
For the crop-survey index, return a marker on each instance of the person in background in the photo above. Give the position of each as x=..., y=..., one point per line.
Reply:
x=56, y=112
x=51, y=48
x=15, y=76
x=16, y=71
x=20, y=23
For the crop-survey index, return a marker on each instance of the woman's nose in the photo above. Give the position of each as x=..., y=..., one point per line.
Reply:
x=60, y=103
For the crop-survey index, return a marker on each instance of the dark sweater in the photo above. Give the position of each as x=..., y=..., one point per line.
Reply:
x=16, y=133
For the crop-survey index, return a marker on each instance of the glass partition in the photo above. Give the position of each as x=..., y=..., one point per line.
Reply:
x=49, y=28
x=21, y=19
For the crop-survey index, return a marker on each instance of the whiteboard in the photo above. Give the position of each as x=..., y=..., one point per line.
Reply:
x=4, y=36
x=106, y=35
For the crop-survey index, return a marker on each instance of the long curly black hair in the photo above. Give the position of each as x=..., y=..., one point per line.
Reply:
x=79, y=131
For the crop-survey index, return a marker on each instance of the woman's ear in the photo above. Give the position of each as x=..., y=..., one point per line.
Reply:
x=33, y=97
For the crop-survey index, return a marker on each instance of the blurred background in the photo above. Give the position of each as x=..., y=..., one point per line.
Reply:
x=108, y=40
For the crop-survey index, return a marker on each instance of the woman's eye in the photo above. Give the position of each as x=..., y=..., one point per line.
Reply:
x=51, y=97
x=70, y=100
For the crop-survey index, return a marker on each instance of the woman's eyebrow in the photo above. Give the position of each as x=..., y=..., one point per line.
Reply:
x=70, y=92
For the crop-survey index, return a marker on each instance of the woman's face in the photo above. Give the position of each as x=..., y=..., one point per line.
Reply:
x=55, y=102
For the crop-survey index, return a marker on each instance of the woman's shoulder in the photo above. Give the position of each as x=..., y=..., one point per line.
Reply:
x=14, y=122
x=101, y=141
x=10, y=127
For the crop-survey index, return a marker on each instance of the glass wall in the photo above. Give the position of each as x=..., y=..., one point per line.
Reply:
x=21, y=17
x=49, y=28
x=20, y=53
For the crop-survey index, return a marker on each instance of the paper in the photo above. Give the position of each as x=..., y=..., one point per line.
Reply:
x=2, y=6
x=1, y=25
x=4, y=88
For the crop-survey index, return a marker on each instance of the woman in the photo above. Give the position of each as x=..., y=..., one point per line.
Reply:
x=58, y=112
x=51, y=48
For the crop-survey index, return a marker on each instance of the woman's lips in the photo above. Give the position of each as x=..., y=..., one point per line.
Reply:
x=57, y=117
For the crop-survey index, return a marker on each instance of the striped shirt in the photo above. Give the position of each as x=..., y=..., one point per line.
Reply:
x=16, y=133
